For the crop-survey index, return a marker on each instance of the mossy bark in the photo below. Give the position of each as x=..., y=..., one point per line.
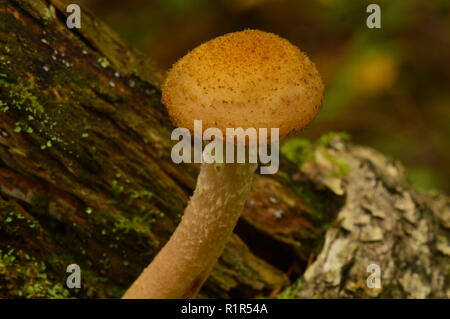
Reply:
x=86, y=175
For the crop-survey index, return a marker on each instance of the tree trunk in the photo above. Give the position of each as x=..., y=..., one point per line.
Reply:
x=86, y=178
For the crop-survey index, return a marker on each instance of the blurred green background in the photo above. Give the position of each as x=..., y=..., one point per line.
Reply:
x=389, y=88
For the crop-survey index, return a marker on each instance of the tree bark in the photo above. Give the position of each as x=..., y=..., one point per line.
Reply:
x=383, y=222
x=86, y=178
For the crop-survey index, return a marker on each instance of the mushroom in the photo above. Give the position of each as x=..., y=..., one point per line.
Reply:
x=247, y=79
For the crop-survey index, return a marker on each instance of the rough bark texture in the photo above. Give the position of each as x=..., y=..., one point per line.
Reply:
x=86, y=178
x=383, y=222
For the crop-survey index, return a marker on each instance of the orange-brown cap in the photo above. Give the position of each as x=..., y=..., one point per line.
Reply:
x=244, y=79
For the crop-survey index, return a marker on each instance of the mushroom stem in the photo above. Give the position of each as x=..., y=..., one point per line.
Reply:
x=184, y=263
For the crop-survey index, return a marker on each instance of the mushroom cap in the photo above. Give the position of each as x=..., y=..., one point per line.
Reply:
x=247, y=79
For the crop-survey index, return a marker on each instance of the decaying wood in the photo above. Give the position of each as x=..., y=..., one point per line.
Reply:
x=86, y=178
x=383, y=222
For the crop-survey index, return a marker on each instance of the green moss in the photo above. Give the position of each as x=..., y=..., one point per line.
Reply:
x=18, y=128
x=117, y=189
x=143, y=195
x=22, y=275
x=43, y=117
x=47, y=14
x=290, y=292
x=40, y=272
x=328, y=138
x=22, y=98
x=340, y=164
x=298, y=150
x=133, y=219
x=36, y=118
x=14, y=220
x=3, y=106
x=42, y=120
x=104, y=63
x=139, y=223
